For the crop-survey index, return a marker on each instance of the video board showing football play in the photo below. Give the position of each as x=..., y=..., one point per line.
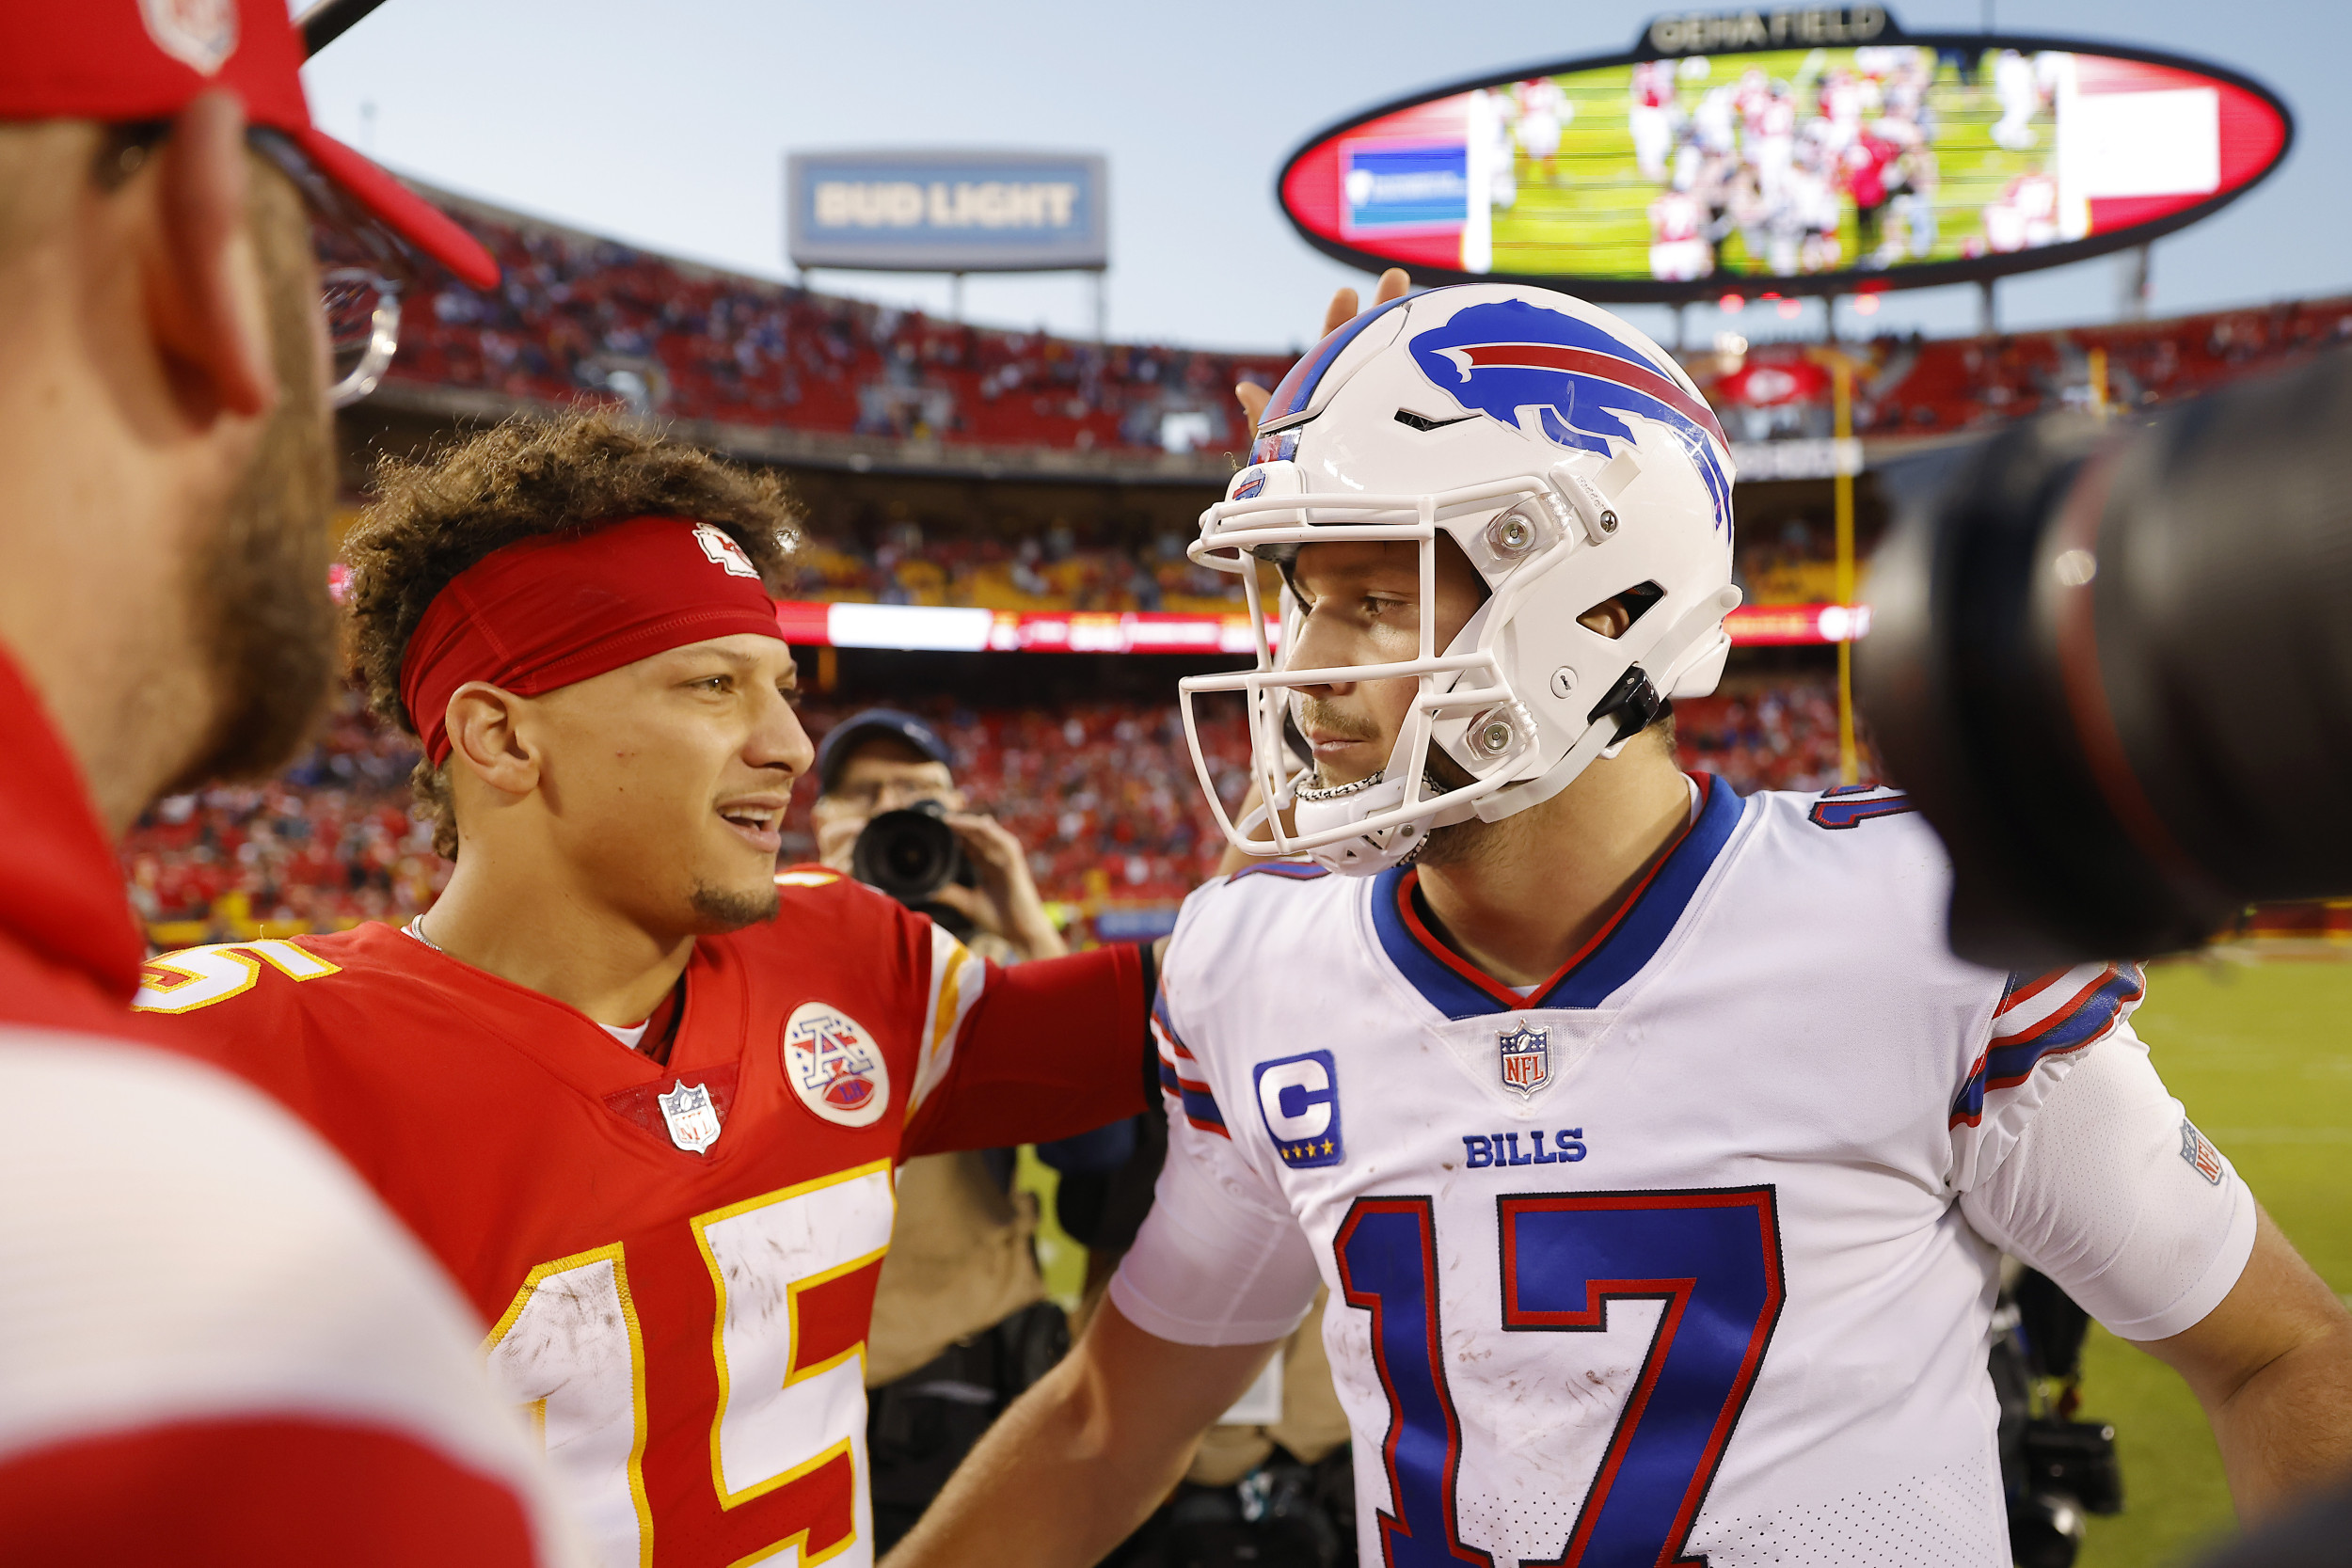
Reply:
x=1906, y=160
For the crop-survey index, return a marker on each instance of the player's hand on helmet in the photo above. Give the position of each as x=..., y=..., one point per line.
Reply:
x=1393, y=284
x=1007, y=901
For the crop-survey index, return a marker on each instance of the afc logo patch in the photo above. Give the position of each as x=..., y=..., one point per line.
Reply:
x=1299, y=1098
x=2199, y=1151
x=834, y=1065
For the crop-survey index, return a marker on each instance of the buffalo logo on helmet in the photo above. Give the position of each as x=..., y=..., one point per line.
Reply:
x=1571, y=382
x=834, y=1067
x=1248, y=483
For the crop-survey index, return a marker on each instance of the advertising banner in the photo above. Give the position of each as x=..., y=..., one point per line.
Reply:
x=947, y=210
x=944, y=628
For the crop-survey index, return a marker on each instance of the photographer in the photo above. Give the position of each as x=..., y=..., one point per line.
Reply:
x=882, y=760
x=960, y=1319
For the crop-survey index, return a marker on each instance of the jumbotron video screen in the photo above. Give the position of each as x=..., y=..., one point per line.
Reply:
x=1782, y=163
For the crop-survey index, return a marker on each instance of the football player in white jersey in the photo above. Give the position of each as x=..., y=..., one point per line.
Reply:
x=1657, y=1153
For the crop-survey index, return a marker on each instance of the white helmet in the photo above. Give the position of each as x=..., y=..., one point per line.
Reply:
x=1572, y=461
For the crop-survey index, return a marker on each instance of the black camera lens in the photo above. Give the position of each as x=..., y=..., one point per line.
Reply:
x=908, y=854
x=2114, y=668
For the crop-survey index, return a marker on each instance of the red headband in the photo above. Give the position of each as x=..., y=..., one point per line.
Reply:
x=565, y=607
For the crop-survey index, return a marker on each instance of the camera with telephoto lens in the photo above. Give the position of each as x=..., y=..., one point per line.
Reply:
x=2113, y=666
x=910, y=854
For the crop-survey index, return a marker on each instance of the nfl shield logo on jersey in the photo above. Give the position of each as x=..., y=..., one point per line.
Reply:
x=1526, y=1058
x=693, y=1121
x=835, y=1066
x=2199, y=1151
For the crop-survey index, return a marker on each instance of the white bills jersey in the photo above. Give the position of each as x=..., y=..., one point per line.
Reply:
x=1690, y=1254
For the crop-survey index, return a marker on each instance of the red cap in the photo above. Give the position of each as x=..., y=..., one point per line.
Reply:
x=121, y=60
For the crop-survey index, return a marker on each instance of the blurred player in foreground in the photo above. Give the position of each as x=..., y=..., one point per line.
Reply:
x=641, y=1094
x=1655, y=1152
x=216, y=1346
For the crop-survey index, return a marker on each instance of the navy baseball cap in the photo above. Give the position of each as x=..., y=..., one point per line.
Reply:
x=844, y=738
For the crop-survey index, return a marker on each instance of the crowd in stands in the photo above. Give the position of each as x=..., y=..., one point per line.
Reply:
x=901, y=564
x=328, y=841
x=1102, y=793
x=576, y=316
x=1780, y=560
x=1917, y=386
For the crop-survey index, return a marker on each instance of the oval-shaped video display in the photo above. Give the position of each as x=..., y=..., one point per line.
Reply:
x=1910, y=160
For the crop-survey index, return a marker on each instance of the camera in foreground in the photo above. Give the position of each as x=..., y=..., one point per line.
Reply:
x=2114, y=668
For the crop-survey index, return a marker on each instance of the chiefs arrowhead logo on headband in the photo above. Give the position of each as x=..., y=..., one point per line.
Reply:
x=724, y=553
x=565, y=607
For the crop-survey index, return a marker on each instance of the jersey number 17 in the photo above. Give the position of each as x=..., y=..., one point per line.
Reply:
x=1711, y=1257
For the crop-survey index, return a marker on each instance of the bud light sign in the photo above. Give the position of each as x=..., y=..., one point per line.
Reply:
x=947, y=210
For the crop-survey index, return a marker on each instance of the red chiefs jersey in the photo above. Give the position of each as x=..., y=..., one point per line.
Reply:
x=679, y=1259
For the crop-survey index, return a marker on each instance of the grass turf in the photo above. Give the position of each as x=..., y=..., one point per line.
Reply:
x=2259, y=1055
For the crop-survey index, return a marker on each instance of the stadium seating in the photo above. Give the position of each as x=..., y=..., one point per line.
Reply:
x=1102, y=793
x=1915, y=386
x=578, y=317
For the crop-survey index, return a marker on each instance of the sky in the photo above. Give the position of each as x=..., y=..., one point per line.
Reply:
x=667, y=125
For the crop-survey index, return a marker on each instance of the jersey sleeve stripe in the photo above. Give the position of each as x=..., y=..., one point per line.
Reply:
x=957, y=980
x=2102, y=996
x=1168, y=1028
x=2032, y=1001
x=2087, y=1017
x=2024, y=988
x=1191, y=1096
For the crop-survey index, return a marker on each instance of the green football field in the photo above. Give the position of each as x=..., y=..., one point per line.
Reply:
x=1590, y=213
x=2262, y=1056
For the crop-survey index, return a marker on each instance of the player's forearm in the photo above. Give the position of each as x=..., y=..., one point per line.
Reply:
x=1052, y=1483
x=2288, y=1429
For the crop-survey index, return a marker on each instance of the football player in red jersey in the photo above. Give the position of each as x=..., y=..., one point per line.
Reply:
x=640, y=1093
x=216, y=1346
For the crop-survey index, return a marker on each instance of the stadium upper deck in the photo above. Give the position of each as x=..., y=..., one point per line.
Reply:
x=772, y=370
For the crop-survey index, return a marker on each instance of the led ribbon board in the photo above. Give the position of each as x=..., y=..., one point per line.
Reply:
x=1807, y=151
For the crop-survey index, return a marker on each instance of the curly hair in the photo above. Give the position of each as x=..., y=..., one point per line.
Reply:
x=434, y=517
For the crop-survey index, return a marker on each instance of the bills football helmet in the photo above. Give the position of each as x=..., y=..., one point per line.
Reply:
x=1572, y=461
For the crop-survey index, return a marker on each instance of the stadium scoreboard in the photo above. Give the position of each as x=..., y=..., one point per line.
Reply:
x=1815, y=149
